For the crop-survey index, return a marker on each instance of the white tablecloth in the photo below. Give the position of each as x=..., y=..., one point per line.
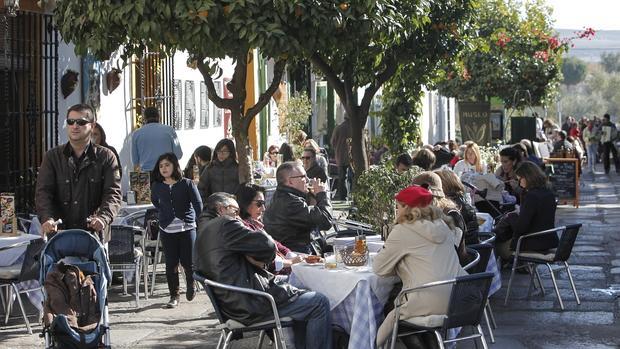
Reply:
x=13, y=247
x=337, y=284
x=356, y=298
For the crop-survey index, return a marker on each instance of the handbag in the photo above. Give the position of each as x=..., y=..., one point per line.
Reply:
x=503, y=228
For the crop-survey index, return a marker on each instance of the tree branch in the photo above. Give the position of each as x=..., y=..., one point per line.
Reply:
x=224, y=103
x=331, y=76
x=391, y=66
x=278, y=71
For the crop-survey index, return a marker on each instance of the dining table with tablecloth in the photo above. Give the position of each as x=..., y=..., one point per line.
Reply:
x=12, y=251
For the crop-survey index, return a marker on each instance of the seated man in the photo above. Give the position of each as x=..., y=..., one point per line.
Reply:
x=312, y=167
x=288, y=218
x=228, y=252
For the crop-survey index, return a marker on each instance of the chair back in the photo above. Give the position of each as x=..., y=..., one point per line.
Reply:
x=32, y=261
x=473, y=259
x=484, y=250
x=121, y=244
x=151, y=223
x=206, y=283
x=468, y=299
x=567, y=240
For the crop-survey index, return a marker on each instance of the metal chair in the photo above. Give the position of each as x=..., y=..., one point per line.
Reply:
x=559, y=255
x=152, y=251
x=124, y=257
x=28, y=274
x=484, y=250
x=467, y=300
x=231, y=327
x=474, y=259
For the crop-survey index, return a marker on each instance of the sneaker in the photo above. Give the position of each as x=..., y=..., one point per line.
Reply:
x=173, y=303
x=191, y=292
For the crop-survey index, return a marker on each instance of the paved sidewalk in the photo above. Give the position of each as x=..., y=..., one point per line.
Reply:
x=536, y=322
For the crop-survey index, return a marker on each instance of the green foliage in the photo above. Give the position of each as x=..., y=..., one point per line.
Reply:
x=513, y=47
x=610, y=61
x=400, y=117
x=374, y=193
x=360, y=44
x=296, y=113
x=573, y=70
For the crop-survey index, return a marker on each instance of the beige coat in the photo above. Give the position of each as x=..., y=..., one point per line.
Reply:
x=419, y=253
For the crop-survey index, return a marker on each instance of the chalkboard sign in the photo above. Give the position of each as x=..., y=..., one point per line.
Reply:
x=564, y=177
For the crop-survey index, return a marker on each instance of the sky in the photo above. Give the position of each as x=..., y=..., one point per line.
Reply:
x=577, y=14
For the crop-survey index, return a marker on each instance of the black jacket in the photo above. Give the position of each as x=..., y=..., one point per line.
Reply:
x=219, y=177
x=181, y=200
x=537, y=213
x=290, y=220
x=468, y=213
x=221, y=245
x=316, y=171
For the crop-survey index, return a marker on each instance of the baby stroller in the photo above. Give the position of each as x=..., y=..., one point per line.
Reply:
x=88, y=254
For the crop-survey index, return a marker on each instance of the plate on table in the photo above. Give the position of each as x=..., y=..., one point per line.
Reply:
x=317, y=264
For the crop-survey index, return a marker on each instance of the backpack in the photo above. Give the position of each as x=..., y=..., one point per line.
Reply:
x=71, y=293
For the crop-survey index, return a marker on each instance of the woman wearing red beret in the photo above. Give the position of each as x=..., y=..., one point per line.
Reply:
x=419, y=249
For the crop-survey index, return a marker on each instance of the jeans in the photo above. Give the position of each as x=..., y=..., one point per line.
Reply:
x=178, y=247
x=592, y=151
x=312, y=324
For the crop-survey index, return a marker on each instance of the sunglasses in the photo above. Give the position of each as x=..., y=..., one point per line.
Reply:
x=274, y=153
x=81, y=122
x=259, y=203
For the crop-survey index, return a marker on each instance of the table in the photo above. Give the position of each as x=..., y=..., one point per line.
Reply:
x=11, y=250
x=356, y=296
x=127, y=211
x=487, y=226
x=13, y=247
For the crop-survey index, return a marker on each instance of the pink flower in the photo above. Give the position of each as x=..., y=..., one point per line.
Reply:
x=542, y=55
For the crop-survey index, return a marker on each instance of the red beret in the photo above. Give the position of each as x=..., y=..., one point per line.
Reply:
x=414, y=196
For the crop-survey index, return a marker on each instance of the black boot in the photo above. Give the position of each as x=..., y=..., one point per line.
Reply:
x=191, y=290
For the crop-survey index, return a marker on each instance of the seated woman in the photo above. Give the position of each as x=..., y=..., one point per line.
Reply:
x=270, y=159
x=472, y=161
x=455, y=191
x=251, y=200
x=510, y=158
x=419, y=249
x=537, y=213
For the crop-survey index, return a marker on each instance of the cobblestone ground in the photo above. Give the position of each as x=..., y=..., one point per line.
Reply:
x=534, y=322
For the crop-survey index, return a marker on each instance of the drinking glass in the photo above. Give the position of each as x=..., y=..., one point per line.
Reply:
x=330, y=260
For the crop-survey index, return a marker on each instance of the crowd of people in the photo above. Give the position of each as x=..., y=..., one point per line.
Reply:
x=241, y=240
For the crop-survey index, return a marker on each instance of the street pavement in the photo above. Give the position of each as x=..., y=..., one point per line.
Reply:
x=534, y=322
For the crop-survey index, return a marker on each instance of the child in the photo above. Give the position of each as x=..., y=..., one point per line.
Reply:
x=179, y=204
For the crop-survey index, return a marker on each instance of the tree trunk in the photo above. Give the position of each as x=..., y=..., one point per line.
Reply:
x=244, y=154
x=359, y=158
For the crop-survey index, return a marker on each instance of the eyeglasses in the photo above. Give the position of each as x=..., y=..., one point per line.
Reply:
x=300, y=176
x=306, y=157
x=232, y=208
x=81, y=122
x=259, y=203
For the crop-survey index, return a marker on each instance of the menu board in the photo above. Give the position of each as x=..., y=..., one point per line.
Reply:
x=564, y=177
x=140, y=183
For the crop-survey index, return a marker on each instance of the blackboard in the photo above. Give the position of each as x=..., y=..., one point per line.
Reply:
x=564, y=177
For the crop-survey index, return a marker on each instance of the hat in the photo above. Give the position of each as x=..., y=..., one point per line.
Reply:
x=414, y=196
x=431, y=181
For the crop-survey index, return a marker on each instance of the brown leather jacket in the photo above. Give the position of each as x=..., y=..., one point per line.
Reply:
x=73, y=294
x=73, y=192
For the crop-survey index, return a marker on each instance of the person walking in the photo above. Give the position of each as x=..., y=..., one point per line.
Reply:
x=608, y=137
x=340, y=135
x=178, y=203
x=591, y=136
x=151, y=140
x=79, y=182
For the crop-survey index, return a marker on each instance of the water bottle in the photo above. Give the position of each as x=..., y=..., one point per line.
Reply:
x=131, y=197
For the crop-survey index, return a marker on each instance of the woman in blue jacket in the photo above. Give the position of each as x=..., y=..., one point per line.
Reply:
x=179, y=204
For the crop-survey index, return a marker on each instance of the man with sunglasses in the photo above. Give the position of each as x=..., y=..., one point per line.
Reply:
x=289, y=218
x=78, y=182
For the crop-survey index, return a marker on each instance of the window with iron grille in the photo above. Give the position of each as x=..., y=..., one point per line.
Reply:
x=155, y=88
x=190, y=105
x=204, y=106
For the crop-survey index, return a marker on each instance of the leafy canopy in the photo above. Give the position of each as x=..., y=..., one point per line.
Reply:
x=513, y=48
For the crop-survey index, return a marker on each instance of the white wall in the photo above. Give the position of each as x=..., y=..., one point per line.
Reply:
x=67, y=60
